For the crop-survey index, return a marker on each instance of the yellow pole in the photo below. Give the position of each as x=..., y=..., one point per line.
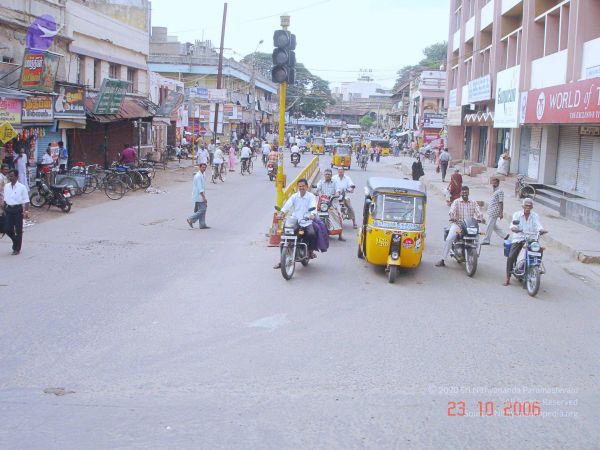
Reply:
x=280, y=177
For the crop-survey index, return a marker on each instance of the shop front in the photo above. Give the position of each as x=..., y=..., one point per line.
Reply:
x=506, y=112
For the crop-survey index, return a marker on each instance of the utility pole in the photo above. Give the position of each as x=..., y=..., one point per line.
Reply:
x=220, y=72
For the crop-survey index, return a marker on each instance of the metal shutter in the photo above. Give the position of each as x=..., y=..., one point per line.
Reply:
x=568, y=158
x=43, y=142
x=524, y=150
x=584, y=166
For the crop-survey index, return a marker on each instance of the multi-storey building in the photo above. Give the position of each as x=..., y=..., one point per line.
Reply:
x=523, y=79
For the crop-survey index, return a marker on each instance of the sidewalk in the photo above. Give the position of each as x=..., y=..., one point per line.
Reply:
x=578, y=241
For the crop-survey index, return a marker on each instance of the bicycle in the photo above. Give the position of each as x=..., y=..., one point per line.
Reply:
x=246, y=166
x=524, y=189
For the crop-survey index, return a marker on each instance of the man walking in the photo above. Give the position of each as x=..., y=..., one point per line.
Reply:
x=199, y=199
x=444, y=161
x=16, y=203
x=495, y=212
x=203, y=156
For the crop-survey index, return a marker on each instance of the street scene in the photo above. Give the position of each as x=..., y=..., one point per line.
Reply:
x=223, y=239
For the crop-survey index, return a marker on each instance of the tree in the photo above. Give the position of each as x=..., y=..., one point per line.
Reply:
x=435, y=56
x=366, y=121
x=309, y=96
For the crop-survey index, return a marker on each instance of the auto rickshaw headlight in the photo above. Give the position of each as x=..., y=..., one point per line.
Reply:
x=395, y=255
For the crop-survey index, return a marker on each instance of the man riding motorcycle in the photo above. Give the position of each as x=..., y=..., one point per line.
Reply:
x=328, y=187
x=345, y=186
x=298, y=206
x=461, y=209
x=266, y=149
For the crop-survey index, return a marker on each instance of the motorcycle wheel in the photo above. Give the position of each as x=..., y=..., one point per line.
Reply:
x=66, y=207
x=392, y=273
x=270, y=177
x=527, y=192
x=305, y=262
x=532, y=280
x=471, y=261
x=146, y=182
x=287, y=263
x=37, y=200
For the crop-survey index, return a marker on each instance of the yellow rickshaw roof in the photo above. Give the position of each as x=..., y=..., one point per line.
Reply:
x=318, y=140
x=396, y=185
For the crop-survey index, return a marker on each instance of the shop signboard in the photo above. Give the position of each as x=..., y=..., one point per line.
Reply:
x=198, y=92
x=203, y=112
x=230, y=112
x=173, y=101
x=7, y=132
x=10, y=110
x=454, y=117
x=577, y=102
x=506, y=111
x=37, y=108
x=452, y=98
x=38, y=72
x=480, y=89
x=217, y=95
x=70, y=103
x=110, y=98
x=433, y=120
x=589, y=131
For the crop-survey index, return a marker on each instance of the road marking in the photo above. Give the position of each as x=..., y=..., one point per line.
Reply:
x=270, y=323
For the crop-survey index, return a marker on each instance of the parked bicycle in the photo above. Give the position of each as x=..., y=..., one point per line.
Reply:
x=524, y=189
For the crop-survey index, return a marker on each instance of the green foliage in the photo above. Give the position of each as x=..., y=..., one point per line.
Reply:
x=366, y=122
x=435, y=56
x=309, y=96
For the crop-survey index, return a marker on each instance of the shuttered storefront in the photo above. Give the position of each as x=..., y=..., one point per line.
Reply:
x=584, y=166
x=529, y=151
x=574, y=162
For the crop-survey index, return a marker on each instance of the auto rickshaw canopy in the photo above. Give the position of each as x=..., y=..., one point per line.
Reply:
x=395, y=186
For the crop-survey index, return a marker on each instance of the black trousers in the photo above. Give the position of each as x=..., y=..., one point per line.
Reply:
x=13, y=225
x=444, y=167
x=310, y=237
x=513, y=254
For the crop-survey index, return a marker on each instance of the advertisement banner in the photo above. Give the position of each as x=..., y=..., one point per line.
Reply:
x=198, y=92
x=203, y=112
x=70, y=103
x=217, y=95
x=452, y=98
x=39, y=71
x=433, y=120
x=230, y=112
x=506, y=111
x=37, y=108
x=10, y=110
x=480, y=89
x=454, y=117
x=111, y=96
x=577, y=102
x=173, y=101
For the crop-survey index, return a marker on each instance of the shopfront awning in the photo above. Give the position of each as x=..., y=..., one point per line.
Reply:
x=480, y=118
x=67, y=124
x=165, y=120
x=132, y=108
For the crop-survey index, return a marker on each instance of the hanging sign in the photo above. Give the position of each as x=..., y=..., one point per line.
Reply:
x=173, y=101
x=37, y=108
x=39, y=71
x=110, y=98
x=70, y=103
x=7, y=132
x=10, y=110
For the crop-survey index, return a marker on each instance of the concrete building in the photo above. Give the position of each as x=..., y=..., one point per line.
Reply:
x=196, y=65
x=523, y=79
x=426, y=108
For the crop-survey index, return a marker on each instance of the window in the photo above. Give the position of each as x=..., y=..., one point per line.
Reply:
x=97, y=74
x=113, y=71
x=8, y=59
x=395, y=208
x=80, y=62
x=131, y=77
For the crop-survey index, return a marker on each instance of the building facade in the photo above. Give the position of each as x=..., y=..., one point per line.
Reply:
x=523, y=79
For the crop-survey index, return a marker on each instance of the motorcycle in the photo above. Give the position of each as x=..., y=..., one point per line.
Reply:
x=364, y=160
x=52, y=195
x=528, y=267
x=466, y=248
x=295, y=158
x=293, y=249
x=343, y=206
x=271, y=170
x=324, y=204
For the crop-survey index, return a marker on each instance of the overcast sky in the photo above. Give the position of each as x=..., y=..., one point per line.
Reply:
x=336, y=38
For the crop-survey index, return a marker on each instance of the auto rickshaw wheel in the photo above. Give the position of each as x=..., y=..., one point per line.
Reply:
x=392, y=272
x=359, y=253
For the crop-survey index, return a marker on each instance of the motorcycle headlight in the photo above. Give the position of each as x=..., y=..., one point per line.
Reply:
x=535, y=247
x=289, y=231
x=395, y=255
x=472, y=230
x=324, y=207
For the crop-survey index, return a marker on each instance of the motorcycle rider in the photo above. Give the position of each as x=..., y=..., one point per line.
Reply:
x=266, y=149
x=245, y=155
x=529, y=223
x=295, y=149
x=328, y=187
x=461, y=209
x=273, y=157
x=345, y=186
x=298, y=205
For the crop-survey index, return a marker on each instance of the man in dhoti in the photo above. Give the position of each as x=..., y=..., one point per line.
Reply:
x=328, y=186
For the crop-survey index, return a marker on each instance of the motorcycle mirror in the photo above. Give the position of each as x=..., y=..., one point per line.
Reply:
x=516, y=222
x=312, y=209
x=314, y=186
x=277, y=208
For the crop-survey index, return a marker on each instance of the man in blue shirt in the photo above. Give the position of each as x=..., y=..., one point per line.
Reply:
x=63, y=156
x=199, y=199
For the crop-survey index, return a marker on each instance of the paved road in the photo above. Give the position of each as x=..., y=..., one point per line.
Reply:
x=176, y=338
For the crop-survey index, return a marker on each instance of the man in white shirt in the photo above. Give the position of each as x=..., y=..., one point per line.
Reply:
x=199, y=199
x=266, y=149
x=203, y=156
x=245, y=155
x=444, y=161
x=298, y=206
x=295, y=152
x=47, y=159
x=345, y=186
x=528, y=224
x=16, y=203
x=3, y=182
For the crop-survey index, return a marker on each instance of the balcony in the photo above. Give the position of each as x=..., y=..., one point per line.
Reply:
x=487, y=15
x=470, y=29
x=507, y=5
x=456, y=40
x=590, y=63
x=550, y=70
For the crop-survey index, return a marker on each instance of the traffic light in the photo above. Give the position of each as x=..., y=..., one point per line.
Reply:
x=284, y=58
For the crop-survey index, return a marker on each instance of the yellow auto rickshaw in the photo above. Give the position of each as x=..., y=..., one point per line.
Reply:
x=317, y=147
x=342, y=156
x=384, y=144
x=392, y=233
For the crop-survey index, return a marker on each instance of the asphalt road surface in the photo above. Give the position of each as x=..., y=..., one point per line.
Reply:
x=121, y=327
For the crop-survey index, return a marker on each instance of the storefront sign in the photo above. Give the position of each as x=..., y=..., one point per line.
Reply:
x=217, y=95
x=480, y=89
x=230, y=112
x=111, y=96
x=589, y=131
x=7, y=132
x=170, y=104
x=198, y=92
x=452, y=98
x=39, y=71
x=577, y=102
x=37, y=108
x=433, y=120
x=454, y=117
x=10, y=111
x=202, y=112
x=506, y=111
x=70, y=103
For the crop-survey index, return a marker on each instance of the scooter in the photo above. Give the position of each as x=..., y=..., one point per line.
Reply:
x=295, y=158
x=324, y=204
x=528, y=267
x=271, y=170
x=51, y=195
x=293, y=249
x=466, y=248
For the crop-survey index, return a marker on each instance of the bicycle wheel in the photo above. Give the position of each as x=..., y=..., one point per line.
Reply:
x=126, y=180
x=91, y=184
x=136, y=178
x=250, y=167
x=527, y=191
x=114, y=188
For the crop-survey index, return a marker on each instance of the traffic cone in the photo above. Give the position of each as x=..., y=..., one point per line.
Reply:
x=275, y=232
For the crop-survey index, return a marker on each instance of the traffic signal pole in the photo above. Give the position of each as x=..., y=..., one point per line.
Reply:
x=280, y=180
